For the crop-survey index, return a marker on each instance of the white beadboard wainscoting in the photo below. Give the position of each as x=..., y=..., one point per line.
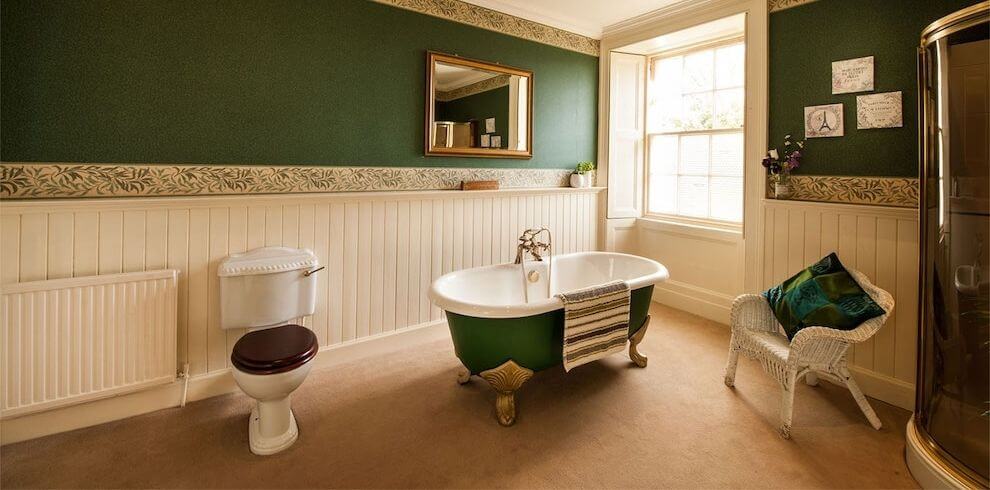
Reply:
x=707, y=267
x=382, y=250
x=882, y=243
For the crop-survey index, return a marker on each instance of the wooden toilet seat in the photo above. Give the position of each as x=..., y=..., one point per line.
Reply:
x=274, y=350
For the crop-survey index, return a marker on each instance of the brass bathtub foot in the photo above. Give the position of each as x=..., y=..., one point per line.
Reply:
x=463, y=376
x=634, y=341
x=505, y=380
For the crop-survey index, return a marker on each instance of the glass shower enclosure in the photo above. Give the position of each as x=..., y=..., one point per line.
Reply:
x=952, y=417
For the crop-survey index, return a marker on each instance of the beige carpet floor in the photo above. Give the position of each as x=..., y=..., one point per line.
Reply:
x=403, y=421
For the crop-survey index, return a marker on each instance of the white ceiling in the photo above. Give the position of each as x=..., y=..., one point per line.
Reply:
x=586, y=17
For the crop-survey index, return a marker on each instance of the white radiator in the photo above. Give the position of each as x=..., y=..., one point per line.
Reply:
x=65, y=341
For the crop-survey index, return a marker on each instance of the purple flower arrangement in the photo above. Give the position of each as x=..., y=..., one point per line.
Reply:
x=781, y=163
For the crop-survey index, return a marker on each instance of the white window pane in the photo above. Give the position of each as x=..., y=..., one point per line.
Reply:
x=694, y=155
x=727, y=154
x=667, y=74
x=692, y=196
x=664, y=102
x=696, y=111
x=664, y=112
x=663, y=155
x=729, y=108
x=727, y=198
x=663, y=194
x=730, y=66
x=698, y=71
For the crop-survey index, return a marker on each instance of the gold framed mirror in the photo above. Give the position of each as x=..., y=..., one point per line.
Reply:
x=477, y=109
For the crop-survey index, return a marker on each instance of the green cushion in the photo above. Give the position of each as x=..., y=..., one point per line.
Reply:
x=824, y=294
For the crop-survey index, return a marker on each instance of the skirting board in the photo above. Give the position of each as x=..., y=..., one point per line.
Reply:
x=716, y=307
x=884, y=388
x=703, y=302
x=200, y=387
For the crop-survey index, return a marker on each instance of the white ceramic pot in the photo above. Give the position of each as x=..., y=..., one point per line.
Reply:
x=581, y=180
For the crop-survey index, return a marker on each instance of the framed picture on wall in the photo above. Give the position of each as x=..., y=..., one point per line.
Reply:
x=882, y=110
x=855, y=75
x=823, y=121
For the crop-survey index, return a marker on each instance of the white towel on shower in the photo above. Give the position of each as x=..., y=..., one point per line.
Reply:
x=596, y=322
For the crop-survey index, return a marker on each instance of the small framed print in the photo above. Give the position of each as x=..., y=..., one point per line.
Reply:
x=823, y=121
x=490, y=125
x=496, y=141
x=485, y=141
x=855, y=75
x=879, y=111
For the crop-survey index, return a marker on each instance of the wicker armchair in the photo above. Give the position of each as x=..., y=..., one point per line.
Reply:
x=814, y=351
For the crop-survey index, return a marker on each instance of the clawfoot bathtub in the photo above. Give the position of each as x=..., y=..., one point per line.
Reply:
x=503, y=338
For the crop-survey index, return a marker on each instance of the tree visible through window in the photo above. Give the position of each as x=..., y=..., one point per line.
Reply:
x=694, y=123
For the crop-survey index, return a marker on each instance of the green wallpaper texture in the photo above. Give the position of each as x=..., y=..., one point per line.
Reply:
x=805, y=40
x=258, y=82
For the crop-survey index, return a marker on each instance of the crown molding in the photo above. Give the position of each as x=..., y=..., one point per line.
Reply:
x=525, y=11
x=493, y=20
x=660, y=14
x=683, y=7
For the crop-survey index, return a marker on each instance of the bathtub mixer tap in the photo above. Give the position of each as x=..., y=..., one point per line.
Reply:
x=529, y=244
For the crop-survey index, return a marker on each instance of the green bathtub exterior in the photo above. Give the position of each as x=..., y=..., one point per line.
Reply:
x=534, y=342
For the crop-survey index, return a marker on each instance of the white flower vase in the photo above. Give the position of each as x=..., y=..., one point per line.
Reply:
x=781, y=191
x=581, y=180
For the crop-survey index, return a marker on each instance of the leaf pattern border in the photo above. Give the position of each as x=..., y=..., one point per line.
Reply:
x=70, y=180
x=877, y=191
x=493, y=20
x=778, y=5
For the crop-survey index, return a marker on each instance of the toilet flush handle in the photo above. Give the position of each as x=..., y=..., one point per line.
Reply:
x=314, y=271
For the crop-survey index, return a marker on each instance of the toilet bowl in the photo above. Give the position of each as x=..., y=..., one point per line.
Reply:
x=261, y=290
x=268, y=366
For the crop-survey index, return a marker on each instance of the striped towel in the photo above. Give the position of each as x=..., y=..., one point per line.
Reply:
x=596, y=322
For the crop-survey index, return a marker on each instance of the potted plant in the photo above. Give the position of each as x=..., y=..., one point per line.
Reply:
x=582, y=174
x=780, y=164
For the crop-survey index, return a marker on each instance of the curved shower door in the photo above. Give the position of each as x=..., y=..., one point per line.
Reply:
x=953, y=389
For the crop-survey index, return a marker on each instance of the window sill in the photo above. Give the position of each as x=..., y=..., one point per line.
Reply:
x=726, y=233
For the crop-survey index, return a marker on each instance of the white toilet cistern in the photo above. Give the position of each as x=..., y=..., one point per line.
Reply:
x=262, y=290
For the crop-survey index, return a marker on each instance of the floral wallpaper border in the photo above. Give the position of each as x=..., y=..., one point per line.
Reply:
x=876, y=191
x=778, y=5
x=68, y=180
x=493, y=20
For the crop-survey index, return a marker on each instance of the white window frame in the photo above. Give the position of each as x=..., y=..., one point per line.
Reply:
x=711, y=44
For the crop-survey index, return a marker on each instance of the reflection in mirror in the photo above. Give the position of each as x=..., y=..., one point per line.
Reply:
x=477, y=109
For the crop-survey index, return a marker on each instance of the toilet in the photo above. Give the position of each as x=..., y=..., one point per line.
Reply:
x=265, y=291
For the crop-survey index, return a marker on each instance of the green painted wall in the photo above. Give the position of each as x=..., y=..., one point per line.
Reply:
x=805, y=40
x=491, y=103
x=260, y=82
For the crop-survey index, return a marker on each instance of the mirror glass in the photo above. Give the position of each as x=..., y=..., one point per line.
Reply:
x=478, y=109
